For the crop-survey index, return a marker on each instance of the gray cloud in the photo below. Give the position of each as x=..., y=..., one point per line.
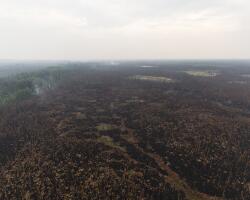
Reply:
x=89, y=29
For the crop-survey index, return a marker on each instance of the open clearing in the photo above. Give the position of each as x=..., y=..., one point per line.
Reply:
x=245, y=75
x=153, y=78
x=202, y=73
x=148, y=66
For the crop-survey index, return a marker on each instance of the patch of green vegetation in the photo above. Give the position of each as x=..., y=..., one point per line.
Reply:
x=153, y=78
x=110, y=142
x=133, y=173
x=105, y=127
x=12, y=89
x=25, y=85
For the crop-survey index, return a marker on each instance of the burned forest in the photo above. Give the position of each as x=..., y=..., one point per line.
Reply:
x=130, y=130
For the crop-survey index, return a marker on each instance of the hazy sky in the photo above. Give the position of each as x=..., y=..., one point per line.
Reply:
x=124, y=29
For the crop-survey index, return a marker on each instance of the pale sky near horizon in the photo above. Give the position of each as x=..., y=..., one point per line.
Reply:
x=124, y=29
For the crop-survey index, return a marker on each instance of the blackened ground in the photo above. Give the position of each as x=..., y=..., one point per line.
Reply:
x=103, y=135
